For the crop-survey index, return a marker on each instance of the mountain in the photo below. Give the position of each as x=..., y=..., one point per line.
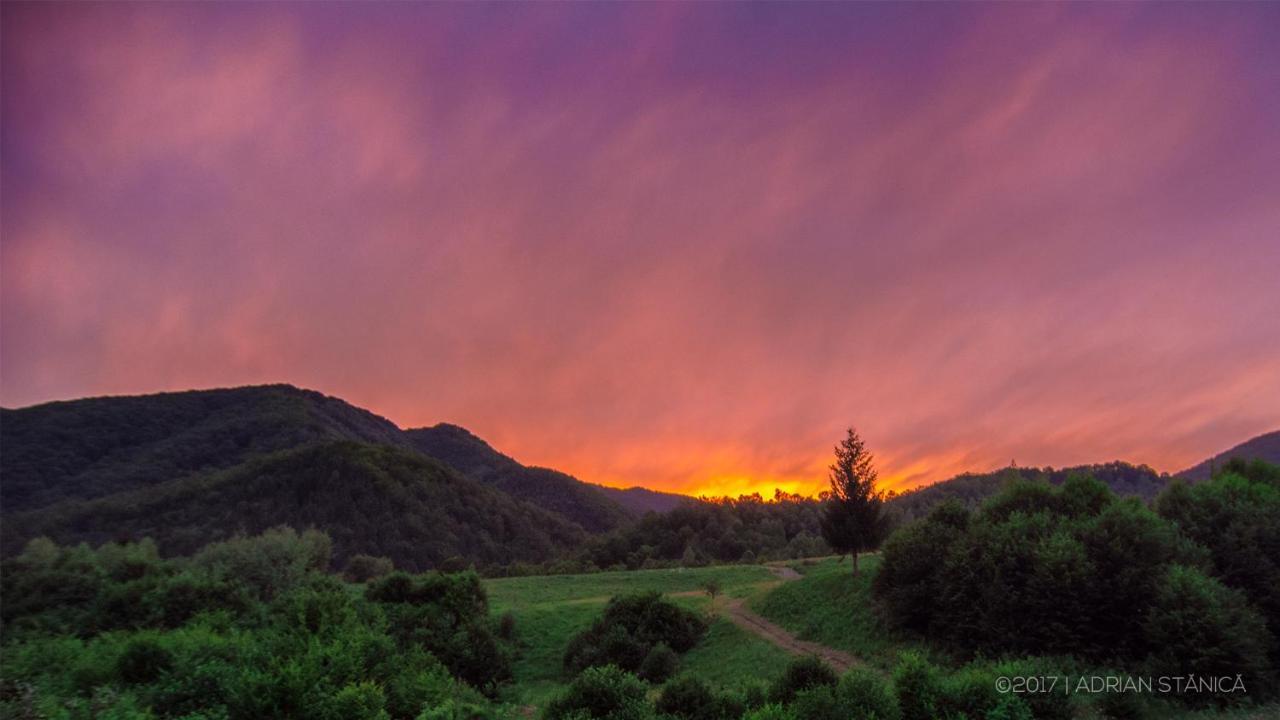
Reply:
x=97, y=468
x=94, y=447
x=588, y=505
x=375, y=499
x=972, y=488
x=1264, y=447
x=638, y=500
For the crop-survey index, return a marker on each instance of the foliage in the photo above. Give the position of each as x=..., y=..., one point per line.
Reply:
x=602, y=693
x=689, y=698
x=362, y=568
x=1234, y=515
x=1195, y=622
x=802, y=674
x=853, y=514
x=972, y=489
x=448, y=615
x=262, y=633
x=714, y=530
x=631, y=628
x=1039, y=569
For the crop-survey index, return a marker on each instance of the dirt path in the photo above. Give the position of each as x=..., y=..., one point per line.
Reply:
x=736, y=610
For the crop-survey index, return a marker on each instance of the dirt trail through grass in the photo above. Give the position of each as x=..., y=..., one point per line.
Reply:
x=737, y=612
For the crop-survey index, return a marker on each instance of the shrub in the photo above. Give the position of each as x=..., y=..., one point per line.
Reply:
x=629, y=630
x=802, y=674
x=1197, y=624
x=602, y=693
x=359, y=701
x=659, y=664
x=266, y=564
x=689, y=698
x=919, y=687
x=865, y=693
x=143, y=660
x=818, y=703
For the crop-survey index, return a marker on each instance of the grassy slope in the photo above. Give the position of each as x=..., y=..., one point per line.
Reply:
x=832, y=607
x=549, y=610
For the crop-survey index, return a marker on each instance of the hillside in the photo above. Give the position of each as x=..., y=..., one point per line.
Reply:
x=1264, y=447
x=81, y=449
x=638, y=500
x=588, y=505
x=372, y=499
x=98, y=447
x=972, y=488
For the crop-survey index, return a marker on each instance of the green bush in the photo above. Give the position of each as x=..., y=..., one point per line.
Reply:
x=689, y=698
x=919, y=687
x=659, y=664
x=628, y=632
x=602, y=693
x=1196, y=623
x=802, y=674
x=266, y=564
x=865, y=693
x=144, y=660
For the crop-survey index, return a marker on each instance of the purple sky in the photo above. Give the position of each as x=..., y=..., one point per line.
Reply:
x=681, y=246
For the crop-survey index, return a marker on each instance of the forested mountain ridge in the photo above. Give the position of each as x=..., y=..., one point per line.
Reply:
x=971, y=489
x=1263, y=447
x=595, y=507
x=78, y=450
x=374, y=499
x=93, y=447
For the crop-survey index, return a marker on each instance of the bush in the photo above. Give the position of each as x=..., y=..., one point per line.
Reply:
x=801, y=674
x=359, y=701
x=1198, y=624
x=628, y=632
x=266, y=564
x=692, y=699
x=363, y=568
x=144, y=660
x=659, y=664
x=865, y=693
x=919, y=687
x=602, y=693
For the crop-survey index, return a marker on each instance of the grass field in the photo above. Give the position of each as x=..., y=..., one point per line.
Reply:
x=549, y=610
x=831, y=606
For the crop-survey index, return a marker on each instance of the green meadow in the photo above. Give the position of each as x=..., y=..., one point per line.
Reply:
x=550, y=610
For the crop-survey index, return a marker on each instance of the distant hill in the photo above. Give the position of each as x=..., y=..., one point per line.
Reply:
x=586, y=504
x=1264, y=447
x=375, y=499
x=98, y=446
x=972, y=488
x=638, y=500
x=62, y=462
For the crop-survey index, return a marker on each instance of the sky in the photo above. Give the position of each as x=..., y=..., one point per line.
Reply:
x=682, y=246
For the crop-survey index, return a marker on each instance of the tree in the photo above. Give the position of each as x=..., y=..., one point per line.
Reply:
x=854, y=518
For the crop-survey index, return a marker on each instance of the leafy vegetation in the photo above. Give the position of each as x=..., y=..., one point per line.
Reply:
x=972, y=489
x=640, y=633
x=717, y=530
x=250, y=628
x=1075, y=571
